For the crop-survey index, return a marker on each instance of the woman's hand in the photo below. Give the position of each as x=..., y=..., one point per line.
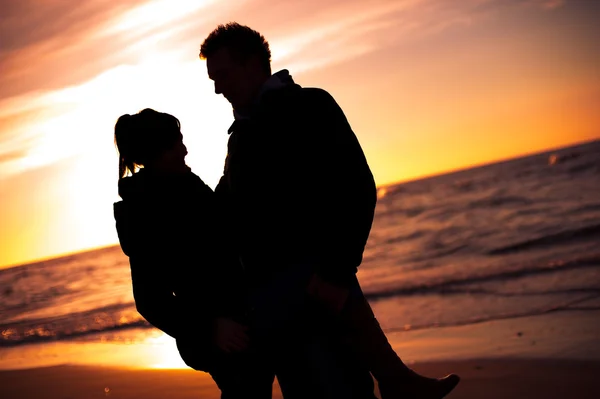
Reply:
x=230, y=336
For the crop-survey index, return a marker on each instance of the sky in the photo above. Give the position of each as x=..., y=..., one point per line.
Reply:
x=428, y=86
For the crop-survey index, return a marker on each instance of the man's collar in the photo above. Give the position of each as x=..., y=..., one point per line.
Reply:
x=276, y=81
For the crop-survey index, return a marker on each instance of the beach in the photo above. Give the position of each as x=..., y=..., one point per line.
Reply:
x=549, y=356
x=490, y=379
x=492, y=273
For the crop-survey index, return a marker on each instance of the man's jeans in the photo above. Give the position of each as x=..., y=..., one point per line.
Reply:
x=302, y=341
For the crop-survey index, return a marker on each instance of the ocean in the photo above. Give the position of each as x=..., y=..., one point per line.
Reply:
x=506, y=240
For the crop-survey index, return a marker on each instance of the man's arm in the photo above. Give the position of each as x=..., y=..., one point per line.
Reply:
x=345, y=188
x=331, y=190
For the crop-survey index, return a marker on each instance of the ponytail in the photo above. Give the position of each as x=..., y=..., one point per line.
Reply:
x=123, y=141
x=140, y=137
x=125, y=166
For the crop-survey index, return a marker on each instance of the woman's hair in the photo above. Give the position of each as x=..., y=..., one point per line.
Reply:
x=142, y=137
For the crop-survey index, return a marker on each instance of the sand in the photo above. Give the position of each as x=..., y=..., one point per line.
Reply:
x=549, y=356
x=490, y=379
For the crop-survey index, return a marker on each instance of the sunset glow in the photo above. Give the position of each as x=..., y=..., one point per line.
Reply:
x=428, y=86
x=135, y=349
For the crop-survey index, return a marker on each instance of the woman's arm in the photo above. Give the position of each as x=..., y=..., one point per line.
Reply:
x=153, y=298
x=152, y=288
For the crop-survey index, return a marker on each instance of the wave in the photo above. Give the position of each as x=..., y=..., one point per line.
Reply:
x=498, y=201
x=406, y=237
x=585, y=208
x=563, y=237
x=386, y=214
x=451, y=285
x=583, y=167
x=37, y=338
x=435, y=250
x=69, y=326
x=563, y=307
x=107, y=320
x=555, y=159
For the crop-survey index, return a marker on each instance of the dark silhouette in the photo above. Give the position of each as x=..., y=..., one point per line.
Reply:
x=300, y=201
x=185, y=281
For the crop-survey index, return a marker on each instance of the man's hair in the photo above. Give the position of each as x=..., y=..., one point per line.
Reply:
x=242, y=42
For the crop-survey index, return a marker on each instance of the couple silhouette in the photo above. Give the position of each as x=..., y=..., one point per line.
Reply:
x=257, y=278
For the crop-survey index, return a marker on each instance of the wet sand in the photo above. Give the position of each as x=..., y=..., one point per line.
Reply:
x=490, y=379
x=556, y=355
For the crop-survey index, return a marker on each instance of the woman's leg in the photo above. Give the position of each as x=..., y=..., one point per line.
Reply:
x=395, y=379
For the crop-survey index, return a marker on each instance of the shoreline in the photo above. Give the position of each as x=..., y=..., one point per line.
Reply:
x=483, y=378
x=572, y=335
x=556, y=355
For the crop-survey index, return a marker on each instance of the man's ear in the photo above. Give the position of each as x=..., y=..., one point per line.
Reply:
x=253, y=63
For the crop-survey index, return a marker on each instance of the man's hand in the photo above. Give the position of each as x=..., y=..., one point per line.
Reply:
x=230, y=336
x=332, y=296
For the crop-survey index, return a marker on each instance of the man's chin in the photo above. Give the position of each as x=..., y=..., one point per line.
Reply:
x=233, y=103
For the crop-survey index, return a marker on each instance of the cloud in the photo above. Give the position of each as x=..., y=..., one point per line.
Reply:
x=552, y=4
x=544, y=4
x=313, y=34
x=10, y=156
x=28, y=22
x=50, y=49
x=45, y=43
x=51, y=44
x=502, y=4
x=55, y=55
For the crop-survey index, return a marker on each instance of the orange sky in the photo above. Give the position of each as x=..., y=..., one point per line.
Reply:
x=428, y=86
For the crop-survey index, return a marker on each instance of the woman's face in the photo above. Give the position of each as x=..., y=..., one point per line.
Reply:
x=173, y=160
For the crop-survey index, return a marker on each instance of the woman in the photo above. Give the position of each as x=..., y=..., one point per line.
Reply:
x=185, y=282
x=184, y=274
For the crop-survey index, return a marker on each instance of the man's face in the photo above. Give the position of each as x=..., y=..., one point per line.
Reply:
x=233, y=79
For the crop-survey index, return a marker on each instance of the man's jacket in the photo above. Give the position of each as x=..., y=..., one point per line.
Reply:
x=297, y=186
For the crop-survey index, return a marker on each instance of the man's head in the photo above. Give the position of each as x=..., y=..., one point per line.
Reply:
x=238, y=60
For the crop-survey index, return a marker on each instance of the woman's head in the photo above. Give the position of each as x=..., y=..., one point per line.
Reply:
x=148, y=138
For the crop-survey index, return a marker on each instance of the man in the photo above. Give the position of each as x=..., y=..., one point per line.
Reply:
x=300, y=201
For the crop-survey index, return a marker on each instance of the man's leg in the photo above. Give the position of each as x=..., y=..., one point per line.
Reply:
x=243, y=375
x=313, y=364
x=303, y=342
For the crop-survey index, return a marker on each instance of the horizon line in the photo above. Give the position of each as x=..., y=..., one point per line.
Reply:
x=383, y=185
x=488, y=163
